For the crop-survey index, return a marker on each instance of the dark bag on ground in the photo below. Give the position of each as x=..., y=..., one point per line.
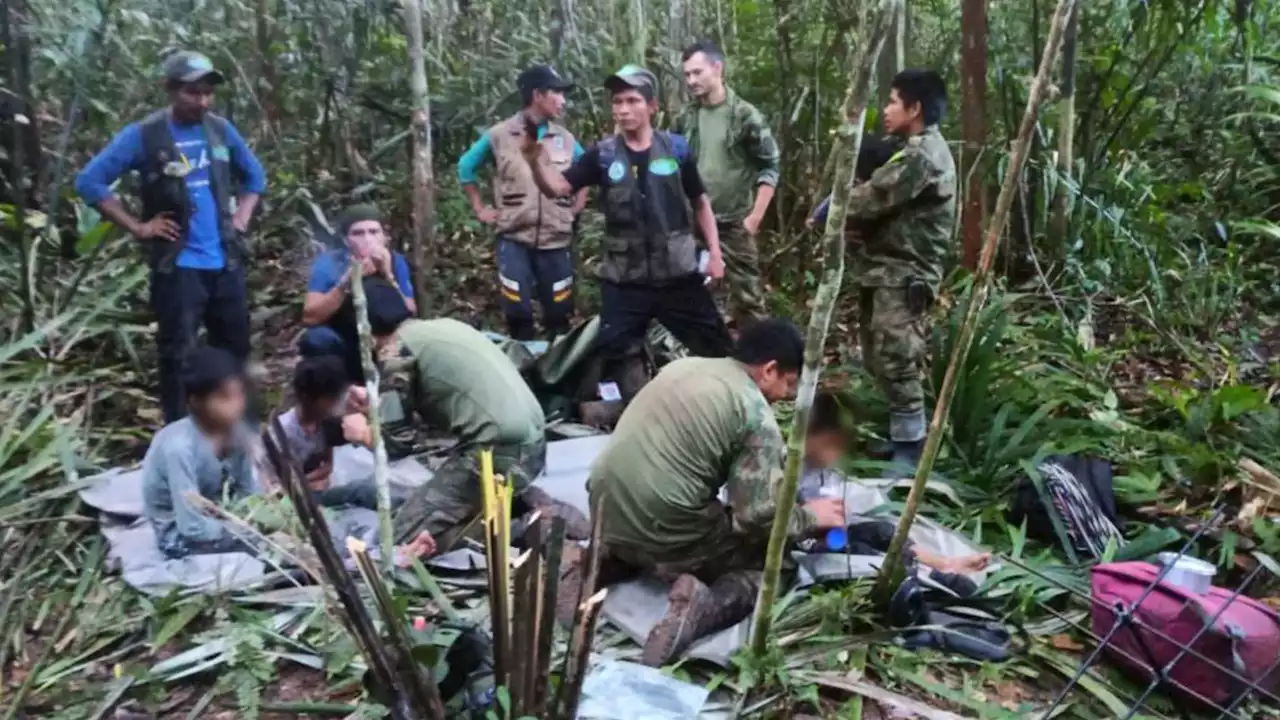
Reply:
x=1071, y=502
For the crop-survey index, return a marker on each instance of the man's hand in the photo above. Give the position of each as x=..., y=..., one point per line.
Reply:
x=357, y=400
x=810, y=222
x=240, y=220
x=752, y=223
x=827, y=512
x=355, y=429
x=529, y=146
x=318, y=479
x=715, y=267
x=380, y=256
x=160, y=227
x=486, y=215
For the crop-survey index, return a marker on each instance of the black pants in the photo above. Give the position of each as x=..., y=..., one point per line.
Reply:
x=183, y=299
x=684, y=306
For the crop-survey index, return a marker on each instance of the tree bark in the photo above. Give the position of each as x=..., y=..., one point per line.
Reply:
x=17, y=51
x=1066, y=133
x=846, y=148
x=894, y=60
x=892, y=572
x=973, y=121
x=423, y=182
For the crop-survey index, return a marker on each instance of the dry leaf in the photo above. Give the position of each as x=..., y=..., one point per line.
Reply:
x=1065, y=643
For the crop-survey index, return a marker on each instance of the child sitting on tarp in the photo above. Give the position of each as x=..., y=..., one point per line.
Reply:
x=826, y=442
x=313, y=428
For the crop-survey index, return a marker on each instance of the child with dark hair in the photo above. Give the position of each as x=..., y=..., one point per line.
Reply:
x=826, y=442
x=313, y=426
x=207, y=453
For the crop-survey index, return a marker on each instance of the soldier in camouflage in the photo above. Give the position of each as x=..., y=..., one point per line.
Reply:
x=448, y=375
x=700, y=426
x=908, y=208
x=738, y=159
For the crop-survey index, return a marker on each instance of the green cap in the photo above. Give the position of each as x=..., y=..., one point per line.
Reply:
x=354, y=214
x=631, y=77
x=189, y=67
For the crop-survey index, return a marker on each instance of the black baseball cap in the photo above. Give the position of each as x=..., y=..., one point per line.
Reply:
x=189, y=67
x=631, y=77
x=542, y=77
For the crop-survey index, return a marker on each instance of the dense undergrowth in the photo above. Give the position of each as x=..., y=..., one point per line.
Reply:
x=1146, y=335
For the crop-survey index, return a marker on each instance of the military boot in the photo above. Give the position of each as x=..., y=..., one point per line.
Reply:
x=695, y=611
x=907, y=431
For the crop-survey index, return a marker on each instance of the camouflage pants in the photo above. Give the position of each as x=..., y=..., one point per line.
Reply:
x=893, y=349
x=741, y=295
x=446, y=505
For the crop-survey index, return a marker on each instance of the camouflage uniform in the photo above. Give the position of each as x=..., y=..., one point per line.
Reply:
x=699, y=426
x=736, y=154
x=452, y=377
x=908, y=208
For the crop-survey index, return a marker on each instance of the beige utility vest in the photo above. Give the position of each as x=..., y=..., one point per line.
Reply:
x=524, y=213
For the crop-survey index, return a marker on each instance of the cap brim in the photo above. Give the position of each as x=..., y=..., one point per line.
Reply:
x=614, y=82
x=213, y=77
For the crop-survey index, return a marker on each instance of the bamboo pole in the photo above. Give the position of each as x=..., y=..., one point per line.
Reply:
x=423, y=177
x=847, y=146
x=381, y=473
x=891, y=573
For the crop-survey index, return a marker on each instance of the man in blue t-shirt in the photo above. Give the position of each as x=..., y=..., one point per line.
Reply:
x=329, y=309
x=188, y=160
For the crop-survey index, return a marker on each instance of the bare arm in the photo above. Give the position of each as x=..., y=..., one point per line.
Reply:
x=580, y=201
x=549, y=180
x=474, y=197
x=320, y=306
x=115, y=211
x=764, y=196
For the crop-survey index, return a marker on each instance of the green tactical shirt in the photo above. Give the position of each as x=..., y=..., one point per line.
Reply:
x=458, y=380
x=700, y=425
x=736, y=152
x=909, y=206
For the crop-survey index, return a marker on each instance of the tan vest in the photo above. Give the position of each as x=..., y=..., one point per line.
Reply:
x=524, y=213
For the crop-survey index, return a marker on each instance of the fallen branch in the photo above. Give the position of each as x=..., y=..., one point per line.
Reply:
x=892, y=572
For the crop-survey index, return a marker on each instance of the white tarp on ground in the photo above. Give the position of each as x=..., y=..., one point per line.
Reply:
x=634, y=607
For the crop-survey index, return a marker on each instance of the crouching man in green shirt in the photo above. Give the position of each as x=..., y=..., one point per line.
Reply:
x=701, y=425
x=449, y=376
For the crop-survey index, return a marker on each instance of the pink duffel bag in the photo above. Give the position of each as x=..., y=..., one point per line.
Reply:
x=1244, y=638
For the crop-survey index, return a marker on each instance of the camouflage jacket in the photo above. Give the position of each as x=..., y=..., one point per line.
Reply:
x=909, y=206
x=751, y=153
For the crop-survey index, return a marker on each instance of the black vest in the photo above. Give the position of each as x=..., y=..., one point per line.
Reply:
x=648, y=235
x=163, y=191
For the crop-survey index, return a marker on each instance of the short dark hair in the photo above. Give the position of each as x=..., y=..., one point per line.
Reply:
x=205, y=369
x=826, y=415
x=876, y=152
x=925, y=87
x=769, y=340
x=386, y=307
x=320, y=378
x=706, y=47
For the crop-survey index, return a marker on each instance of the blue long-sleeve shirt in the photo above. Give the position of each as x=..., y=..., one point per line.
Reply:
x=203, y=248
x=481, y=152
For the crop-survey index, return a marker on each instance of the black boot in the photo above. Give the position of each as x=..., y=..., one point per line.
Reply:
x=906, y=458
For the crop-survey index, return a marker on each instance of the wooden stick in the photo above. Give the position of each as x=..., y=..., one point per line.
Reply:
x=381, y=467
x=523, y=626
x=892, y=572
x=847, y=147
x=553, y=549
x=575, y=664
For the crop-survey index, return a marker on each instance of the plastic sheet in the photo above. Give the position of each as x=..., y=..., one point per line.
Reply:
x=616, y=690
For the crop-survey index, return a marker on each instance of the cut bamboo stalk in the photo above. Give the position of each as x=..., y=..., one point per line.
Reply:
x=553, y=549
x=381, y=470
x=892, y=572
x=575, y=663
x=497, y=566
x=523, y=625
x=848, y=145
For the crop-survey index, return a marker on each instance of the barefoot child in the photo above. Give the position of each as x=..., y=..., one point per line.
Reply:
x=825, y=443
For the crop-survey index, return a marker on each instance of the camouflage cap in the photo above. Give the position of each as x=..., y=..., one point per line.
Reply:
x=188, y=67
x=631, y=77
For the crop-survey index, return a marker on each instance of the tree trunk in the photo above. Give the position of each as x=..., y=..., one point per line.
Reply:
x=846, y=148
x=271, y=98
x=973, y=121
x=895, y=58
x=381, y=470
x=423, y=183
x=892, y=571
x=1066, y=133
x=17, y=51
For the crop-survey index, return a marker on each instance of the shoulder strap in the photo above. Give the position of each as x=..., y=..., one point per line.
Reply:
x=215, y=127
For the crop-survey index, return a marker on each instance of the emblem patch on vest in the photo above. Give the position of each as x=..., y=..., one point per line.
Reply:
x=617, y=170
x=220, y=152
x=664, y=166
x=559, y=142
